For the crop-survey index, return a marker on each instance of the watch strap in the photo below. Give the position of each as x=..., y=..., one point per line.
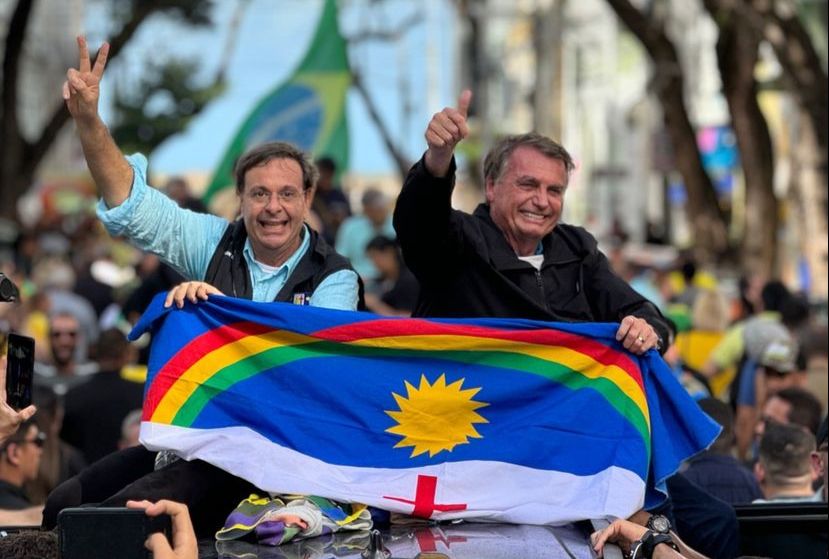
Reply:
x=644, y=547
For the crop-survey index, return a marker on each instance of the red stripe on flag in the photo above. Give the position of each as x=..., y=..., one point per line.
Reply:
x=403, y=327
x=192, y=352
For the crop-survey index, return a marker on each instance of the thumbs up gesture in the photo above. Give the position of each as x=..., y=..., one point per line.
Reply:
x=446, y=129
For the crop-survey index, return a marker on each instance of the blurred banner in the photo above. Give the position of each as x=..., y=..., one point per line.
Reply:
x=308, y=110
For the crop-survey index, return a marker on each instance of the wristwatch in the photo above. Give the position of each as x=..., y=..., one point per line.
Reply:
x=644, y=547
x=658, y=524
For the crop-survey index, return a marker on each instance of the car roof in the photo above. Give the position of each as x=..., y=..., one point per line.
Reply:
x=437, y=541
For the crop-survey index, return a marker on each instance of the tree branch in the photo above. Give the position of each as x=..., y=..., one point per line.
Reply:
x=798, y=57
x=37, y=150
x=403, y=164
x=9, y=129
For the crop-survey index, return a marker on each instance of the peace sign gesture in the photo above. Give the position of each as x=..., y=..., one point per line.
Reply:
x=81, y=89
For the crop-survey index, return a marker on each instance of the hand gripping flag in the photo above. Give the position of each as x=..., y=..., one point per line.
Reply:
x=510, y=420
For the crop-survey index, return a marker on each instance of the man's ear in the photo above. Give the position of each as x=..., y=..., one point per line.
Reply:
x=759, y=472
x=490, y=191
x=817, y=468
x=10, y=454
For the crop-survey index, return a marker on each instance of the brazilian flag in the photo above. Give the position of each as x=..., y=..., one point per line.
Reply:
x=308, y=110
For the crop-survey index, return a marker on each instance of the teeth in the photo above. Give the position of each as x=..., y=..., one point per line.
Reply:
x=533, y=216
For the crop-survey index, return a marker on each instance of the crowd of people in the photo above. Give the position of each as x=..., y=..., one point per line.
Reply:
x=756, y=360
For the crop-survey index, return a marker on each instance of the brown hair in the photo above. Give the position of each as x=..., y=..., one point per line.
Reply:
x=264, y=153
x=497, y=157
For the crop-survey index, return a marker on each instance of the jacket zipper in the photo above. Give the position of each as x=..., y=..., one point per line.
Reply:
x=540, y=282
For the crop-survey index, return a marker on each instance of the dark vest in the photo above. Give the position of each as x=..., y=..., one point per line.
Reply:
x=228, y=272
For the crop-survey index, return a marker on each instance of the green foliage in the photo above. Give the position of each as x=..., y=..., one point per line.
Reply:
x=162, y=104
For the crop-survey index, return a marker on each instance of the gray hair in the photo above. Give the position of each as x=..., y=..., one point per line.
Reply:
x=497, y=157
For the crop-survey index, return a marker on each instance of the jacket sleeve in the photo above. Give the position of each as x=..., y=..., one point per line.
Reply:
x=426, y=225
x=612, y=298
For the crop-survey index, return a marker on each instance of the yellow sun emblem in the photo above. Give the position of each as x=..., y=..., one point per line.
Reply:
x=436, y=417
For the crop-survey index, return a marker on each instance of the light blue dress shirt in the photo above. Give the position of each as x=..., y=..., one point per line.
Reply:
x=187, y=240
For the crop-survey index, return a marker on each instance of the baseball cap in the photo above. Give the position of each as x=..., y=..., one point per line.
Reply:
x=779, y=354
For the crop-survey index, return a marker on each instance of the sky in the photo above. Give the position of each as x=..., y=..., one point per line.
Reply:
x=272, y=38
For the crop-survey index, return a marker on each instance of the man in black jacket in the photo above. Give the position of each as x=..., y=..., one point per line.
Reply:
x=511, y=258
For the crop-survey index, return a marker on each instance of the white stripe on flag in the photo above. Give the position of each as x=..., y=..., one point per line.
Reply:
x=492, y=491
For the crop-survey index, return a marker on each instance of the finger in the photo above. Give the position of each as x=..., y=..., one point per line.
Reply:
x=600, y=539
x=191, y=292
x=181, y=292
x=143, y=505
x=171, y=295
x=83, y=51
x=464, y=100
x=2, y=379
x=624, y=327
x=65, y=91
x=443, y=134
x=101, y=60
x=448, y=123
x=434, y=140
x=26, y=413
x=159, y=545
x=183, y=532
x=74, y=79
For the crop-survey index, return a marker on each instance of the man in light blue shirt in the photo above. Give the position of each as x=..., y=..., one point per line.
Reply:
x=269, y=254
x=275, y=185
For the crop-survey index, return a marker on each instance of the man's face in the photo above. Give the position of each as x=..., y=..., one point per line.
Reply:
x=527, y=199
x=777, y=381
x=29, y=451
x=377, y=214
x=63, y=336
x=273, y=206
x=385, y=261
x=776, y=410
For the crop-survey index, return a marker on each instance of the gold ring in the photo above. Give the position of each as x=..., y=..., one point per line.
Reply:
x=641, y=339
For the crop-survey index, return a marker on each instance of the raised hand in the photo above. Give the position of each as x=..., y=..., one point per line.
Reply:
x=10, y=419
x=446, y=129
x=81, y=89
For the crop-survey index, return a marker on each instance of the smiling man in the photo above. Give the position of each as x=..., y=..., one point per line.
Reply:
x=269, y=254
x=512, y=258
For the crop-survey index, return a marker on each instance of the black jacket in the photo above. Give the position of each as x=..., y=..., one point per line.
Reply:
x=466, y=268
x=228, y=271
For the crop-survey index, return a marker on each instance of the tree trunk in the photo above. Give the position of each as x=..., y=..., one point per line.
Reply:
x=704, y=214
x=737, y=55
x=809, y=192
x=19, y=158
x=780, y=24
x=402, y=162
x=547, y=44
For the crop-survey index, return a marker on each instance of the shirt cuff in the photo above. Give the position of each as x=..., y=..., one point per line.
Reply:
x=117, y=219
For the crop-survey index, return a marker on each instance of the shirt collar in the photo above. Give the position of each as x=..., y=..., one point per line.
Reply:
x=291, y=263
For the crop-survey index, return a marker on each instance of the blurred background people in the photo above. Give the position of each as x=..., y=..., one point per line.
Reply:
x=716, y=470
x=19, y=462
x=357, y=231
x=95, y=410
x=785, y=469
x=330, y=202
x=395, y=290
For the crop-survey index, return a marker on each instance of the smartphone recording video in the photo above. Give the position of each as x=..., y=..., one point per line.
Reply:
x=20, y=363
